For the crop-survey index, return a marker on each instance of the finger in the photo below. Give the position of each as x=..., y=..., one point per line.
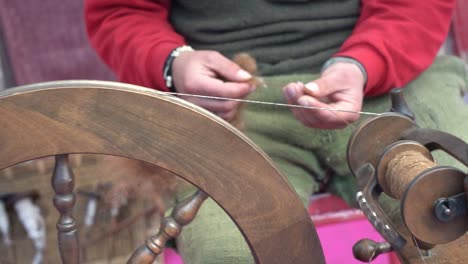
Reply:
x=348, y=111
x=309, y=119
x=226, y=68
x=293, y=91
x=318, y=88
x=218, y=88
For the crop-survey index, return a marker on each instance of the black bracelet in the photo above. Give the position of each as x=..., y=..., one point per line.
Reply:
x=167, y=70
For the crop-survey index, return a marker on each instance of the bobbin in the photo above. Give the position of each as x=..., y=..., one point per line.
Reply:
x=419, y=203
x=419, y=192
x=389, y=154
x=434, y=199
x=376, y=142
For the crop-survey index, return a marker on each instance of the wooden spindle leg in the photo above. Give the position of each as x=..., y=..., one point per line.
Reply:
x=183, y=214
x=63, y=183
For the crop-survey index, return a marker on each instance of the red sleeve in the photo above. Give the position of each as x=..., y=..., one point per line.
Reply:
x=395, y=40
x=134, y=37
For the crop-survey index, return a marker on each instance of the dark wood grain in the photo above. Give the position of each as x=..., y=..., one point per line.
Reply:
x=171, y=226
x=63, y=182
x=123, y=120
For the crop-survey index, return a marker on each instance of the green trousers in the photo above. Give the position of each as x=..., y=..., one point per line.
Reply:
x=306, y=155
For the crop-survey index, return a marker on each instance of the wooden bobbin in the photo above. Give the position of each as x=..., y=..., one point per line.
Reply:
x=400, y=164
x=406, y=171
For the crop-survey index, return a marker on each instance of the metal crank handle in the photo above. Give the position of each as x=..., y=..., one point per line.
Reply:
x=379, y=224
x=367, y=200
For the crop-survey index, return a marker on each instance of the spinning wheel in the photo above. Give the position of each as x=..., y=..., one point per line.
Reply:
x=58, y=118
x=399, y=163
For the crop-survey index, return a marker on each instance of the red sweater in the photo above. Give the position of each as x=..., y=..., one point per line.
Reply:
x=394, y=40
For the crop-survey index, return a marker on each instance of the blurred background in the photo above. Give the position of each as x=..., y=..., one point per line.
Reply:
x=44, y=41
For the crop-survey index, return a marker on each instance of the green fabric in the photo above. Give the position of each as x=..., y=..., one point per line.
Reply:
x=304, y=154
x=285, y=36
x=298, y=150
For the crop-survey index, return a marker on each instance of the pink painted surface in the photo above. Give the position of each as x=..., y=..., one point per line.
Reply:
x=339, y=228
x=171, y=257
x=338, y=239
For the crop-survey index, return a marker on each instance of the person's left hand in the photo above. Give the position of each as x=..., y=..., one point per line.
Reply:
x=341, y=86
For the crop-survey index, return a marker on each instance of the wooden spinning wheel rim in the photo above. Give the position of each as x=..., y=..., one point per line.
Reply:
x=129, y=121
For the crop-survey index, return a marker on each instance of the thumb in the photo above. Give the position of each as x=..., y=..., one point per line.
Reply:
x=317, y=88
x=227, y=69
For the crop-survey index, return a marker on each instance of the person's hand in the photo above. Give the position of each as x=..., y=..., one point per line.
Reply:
x=210, y=73
x=341, y=86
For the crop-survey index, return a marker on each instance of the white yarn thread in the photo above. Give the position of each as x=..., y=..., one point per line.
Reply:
x=419, y=250
x=270, y=103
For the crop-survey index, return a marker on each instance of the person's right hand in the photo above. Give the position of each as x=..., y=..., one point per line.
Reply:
x=210, y=73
